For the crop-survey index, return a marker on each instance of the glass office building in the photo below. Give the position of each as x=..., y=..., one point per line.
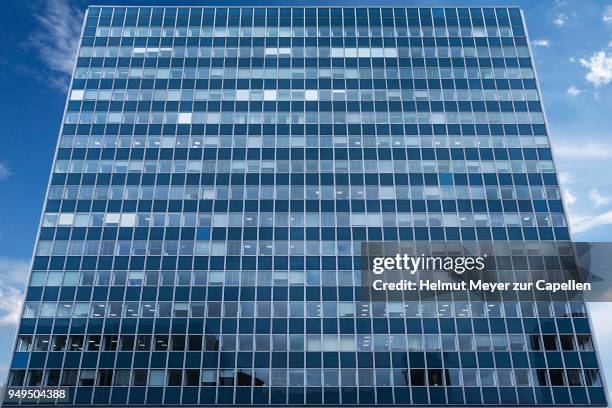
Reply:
x=216, y=172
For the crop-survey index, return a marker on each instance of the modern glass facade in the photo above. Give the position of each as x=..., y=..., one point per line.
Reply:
x=216, y=173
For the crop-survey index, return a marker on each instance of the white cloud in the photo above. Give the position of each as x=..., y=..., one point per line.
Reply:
x=4, y=172
x=597, y=199
x=14, y=271
x=565, y=177
x=602, y=329
x=573, y=91
x=560, y=20
x=56, y=38
x=569, y=198
x=591, y=151
x=13, y=276
x=10, y=306
x=600, y=68
x=607, y=15
x=586, y=222
x=580, y=215
x=541, y=43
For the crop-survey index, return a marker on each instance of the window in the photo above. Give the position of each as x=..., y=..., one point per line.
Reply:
x=76, y=95
x=157, y=378
x=184, y=118
x=86, y=379
x=175, y=377
x=311, y=95
x=139, y=377
x=270, y=95
x=209, y=377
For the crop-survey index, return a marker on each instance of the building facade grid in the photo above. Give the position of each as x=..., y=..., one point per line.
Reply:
x=216, y=173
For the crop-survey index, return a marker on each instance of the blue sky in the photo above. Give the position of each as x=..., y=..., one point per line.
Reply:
x=572, y=44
